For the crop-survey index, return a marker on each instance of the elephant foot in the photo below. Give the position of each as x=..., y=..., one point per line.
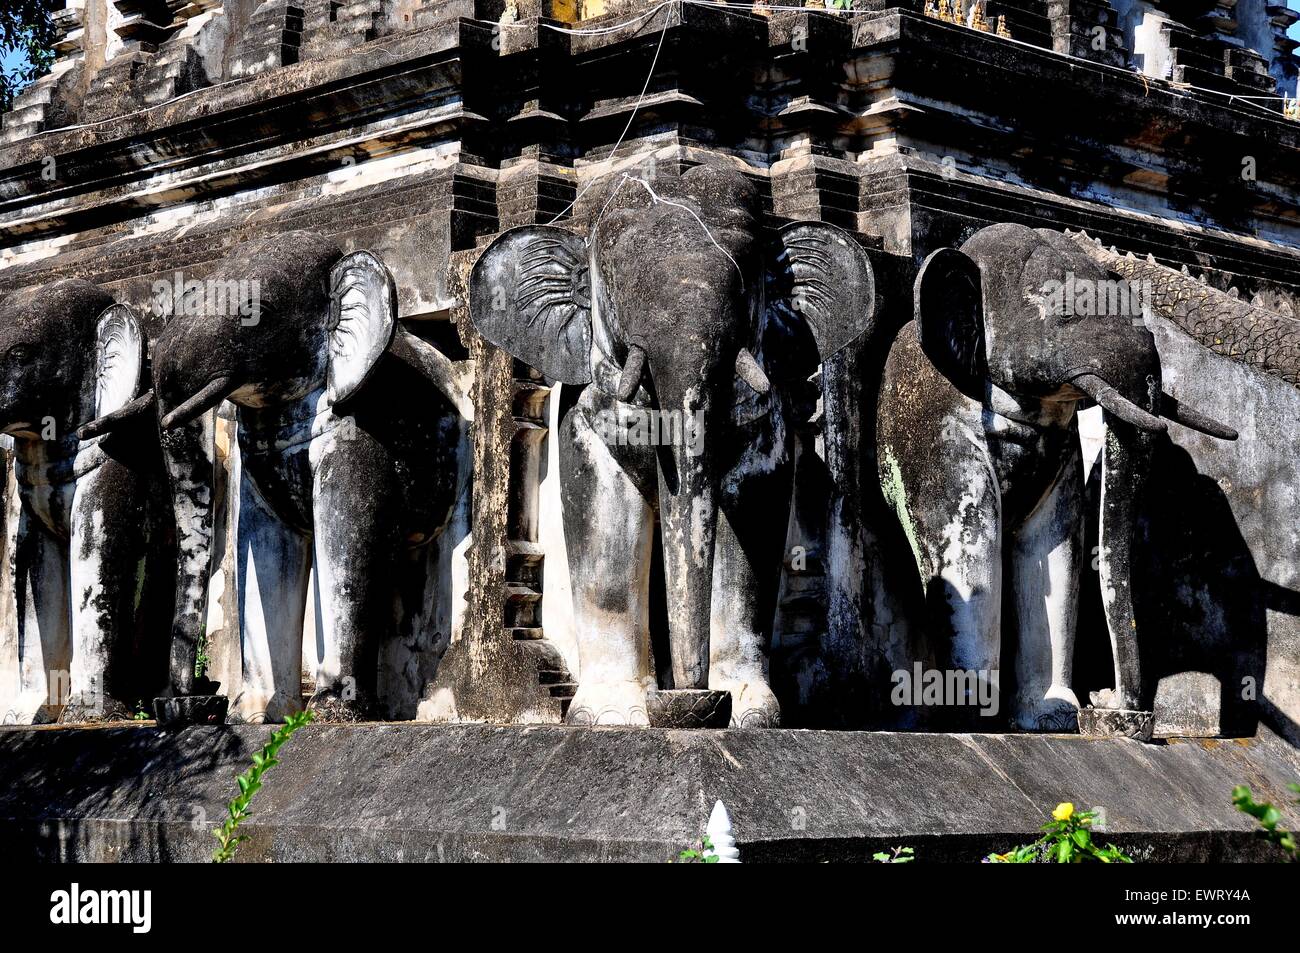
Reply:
x=331, y=707
x=609, y=703
x=1057, y=710
x=254, y=708
x=753, y=704
x=31, y=708
x=81, y=713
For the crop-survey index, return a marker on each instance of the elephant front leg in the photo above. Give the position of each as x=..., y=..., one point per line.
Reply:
x=744, y=605
x=952, y=515
x=609, y=532
x=114, y=664
x=753, y=523
x=272, y=572
x=44, y=635
x=1047, y=561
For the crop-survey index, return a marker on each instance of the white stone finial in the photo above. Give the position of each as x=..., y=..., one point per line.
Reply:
x=719, y=835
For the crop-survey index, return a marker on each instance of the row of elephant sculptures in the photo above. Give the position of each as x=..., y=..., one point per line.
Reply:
x=671, y=301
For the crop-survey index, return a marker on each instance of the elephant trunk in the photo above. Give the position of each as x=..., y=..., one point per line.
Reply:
x=1126, y=462
x=688, y=513
x=188, y=454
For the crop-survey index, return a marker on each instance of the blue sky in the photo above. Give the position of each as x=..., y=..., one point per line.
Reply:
x=9, y=60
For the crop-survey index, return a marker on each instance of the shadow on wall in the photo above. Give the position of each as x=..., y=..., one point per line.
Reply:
x=1200, y=602
x=144, y=756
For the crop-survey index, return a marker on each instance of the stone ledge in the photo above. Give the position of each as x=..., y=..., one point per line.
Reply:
x=471, y=792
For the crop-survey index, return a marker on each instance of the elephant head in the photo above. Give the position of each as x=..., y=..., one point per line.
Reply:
x=70, y=355
x=674, y=302
x=1027, y=313
x=278, y=322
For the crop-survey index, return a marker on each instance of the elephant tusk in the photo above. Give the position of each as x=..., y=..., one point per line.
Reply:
x=747, y=370
x=1115, y=403
x=110, y=422
x=212, y=394
x=630, y=379
x=1180, y=413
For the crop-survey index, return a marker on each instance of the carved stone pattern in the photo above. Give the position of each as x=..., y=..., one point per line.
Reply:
x=1267, y=341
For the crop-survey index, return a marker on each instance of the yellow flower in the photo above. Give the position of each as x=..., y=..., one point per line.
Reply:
x=1064, y=811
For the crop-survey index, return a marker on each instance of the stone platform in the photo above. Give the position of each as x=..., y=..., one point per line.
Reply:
x=393, y=792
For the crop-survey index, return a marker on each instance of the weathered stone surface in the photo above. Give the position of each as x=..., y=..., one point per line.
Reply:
x=389, y=792
x=688, y=708
x=417, y=137
x=1116, y=723
x=181, y=711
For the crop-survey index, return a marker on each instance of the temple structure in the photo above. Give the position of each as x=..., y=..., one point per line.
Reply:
x=1006, y=436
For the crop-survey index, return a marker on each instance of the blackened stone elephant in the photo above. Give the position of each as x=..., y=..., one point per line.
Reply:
x=93, y=537
x=349, y=432
x=979, y=456
x=680, y=338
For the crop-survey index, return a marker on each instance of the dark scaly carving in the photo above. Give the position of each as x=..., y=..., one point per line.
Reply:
x=1263, y=339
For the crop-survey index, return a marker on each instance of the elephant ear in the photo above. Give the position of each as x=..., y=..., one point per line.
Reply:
x=119, y=358
x=530, y=294
x=821, y=296
x=362, y=320
x=949, y=307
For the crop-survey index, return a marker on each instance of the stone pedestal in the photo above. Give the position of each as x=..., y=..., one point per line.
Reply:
x=474, y=792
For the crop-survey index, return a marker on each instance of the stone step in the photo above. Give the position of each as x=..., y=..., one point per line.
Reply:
x=38, y=93
x=24, y=116
x=15, y=133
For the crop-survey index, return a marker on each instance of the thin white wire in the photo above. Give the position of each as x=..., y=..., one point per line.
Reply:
x=658, y=199
x=136, y=112
x=640, y=99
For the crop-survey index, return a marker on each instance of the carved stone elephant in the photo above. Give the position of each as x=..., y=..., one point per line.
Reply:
x=670, y=322
x=348, y=440
x=93, y=538
x=979, y=456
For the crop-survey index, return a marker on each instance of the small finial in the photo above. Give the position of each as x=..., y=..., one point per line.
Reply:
x=720, y=836
x=977, y=19
x=1002, y=29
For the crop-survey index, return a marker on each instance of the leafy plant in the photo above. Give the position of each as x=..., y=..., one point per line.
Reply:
x=201, y=657
x=27, y=29
x=899, y=855
x=250, y=782
x=1067, y=839
x=1268, y=816
x=701, y=854
x=141, y=714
